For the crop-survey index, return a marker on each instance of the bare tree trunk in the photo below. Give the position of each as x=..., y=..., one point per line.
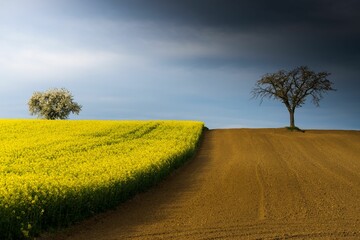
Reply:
x=292, y=118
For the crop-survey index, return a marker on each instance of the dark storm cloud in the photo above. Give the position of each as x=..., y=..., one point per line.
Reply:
x=304, y=30
x=292, y=32
x=245, y=13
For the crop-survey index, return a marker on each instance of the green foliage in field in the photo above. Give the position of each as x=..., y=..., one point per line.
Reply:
x=53, y=173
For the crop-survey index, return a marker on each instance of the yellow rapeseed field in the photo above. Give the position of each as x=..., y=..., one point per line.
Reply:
x=53, y=173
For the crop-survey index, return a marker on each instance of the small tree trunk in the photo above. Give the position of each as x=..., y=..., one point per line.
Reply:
x=292, y=118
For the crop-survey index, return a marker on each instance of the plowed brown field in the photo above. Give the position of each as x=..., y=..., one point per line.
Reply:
x=247, y=184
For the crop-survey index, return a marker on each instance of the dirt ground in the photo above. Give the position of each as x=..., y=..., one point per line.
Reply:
x=247, y=184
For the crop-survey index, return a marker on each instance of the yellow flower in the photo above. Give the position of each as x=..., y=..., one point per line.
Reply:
x=46, y=165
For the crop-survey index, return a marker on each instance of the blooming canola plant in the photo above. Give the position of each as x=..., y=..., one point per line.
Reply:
x=53, y=173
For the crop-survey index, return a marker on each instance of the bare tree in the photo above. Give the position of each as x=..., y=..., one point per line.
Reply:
x=53, y=104
x=292, y=88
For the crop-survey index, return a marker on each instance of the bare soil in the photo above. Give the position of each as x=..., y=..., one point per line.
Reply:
x=247, y=184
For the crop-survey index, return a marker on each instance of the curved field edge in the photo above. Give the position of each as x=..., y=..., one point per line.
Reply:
x=54, y=173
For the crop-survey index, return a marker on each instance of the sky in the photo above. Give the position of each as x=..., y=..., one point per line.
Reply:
x=180, y=59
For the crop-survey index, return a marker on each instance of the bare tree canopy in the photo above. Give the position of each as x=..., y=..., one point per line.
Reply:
x=292, y=88
x=53, y=104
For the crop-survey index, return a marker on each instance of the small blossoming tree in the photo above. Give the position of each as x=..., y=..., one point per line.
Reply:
x=53, y=104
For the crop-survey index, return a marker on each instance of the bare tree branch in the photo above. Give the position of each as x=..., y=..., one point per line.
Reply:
x=293, y=87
